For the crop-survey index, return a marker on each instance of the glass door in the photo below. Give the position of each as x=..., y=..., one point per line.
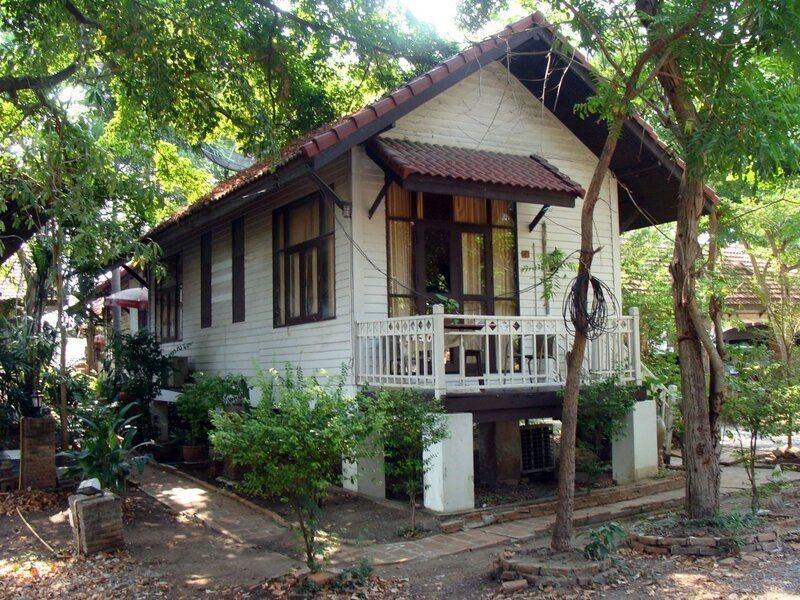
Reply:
x=436, y=259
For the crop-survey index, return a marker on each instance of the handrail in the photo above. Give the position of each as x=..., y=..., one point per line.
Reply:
x=449, y=353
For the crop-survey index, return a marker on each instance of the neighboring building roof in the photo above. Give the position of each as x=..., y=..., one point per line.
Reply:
x=408, y=160
x=743, y=296
x=643, y=164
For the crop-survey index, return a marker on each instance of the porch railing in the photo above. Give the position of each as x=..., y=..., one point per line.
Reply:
x=470, y=353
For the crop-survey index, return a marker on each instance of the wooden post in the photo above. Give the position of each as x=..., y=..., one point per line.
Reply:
x=437, y=361
x=636, y=355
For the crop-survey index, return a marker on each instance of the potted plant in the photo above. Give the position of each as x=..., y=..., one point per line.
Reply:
x=195, y=404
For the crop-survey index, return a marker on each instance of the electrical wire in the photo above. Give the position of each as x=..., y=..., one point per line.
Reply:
x=589, y=315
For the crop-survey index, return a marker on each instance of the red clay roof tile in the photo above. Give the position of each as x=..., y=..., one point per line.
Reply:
x=407, y=158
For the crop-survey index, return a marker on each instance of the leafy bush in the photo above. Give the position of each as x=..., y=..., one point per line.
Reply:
x=24, y=359
x=206, y=394
x=80, y=396
x=665, y=367
x=292, y=442
x=604, y=541
x=764, y=394
x=407, y=424
x=138, y=370
x=602, y=408
x=106, y=450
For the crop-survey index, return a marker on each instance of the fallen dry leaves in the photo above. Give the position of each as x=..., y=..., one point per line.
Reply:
x=292, y=586
x=30, y=501
x=116, y=575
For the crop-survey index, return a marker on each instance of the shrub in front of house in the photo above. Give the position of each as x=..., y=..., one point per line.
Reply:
x=291, y=443
x=603, y=405
x=407, y=423
x=106, y=449
x=196, y=403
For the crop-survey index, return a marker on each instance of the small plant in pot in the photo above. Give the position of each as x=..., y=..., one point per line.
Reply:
x=207, y=394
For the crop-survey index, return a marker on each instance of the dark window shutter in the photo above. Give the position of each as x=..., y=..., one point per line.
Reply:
x=205, y=280
x=237, y=260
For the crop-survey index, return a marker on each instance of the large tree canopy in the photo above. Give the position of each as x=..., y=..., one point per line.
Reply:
x=128, y=93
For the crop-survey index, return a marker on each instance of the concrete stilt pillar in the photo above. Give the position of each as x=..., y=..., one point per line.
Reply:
x=449, y=479
x=366, y=475
x=634, y=453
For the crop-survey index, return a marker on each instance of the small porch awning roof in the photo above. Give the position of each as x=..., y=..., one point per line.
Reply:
x=130, y=298
x=434, y=168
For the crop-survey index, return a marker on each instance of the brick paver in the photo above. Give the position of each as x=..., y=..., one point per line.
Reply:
x=443, y=544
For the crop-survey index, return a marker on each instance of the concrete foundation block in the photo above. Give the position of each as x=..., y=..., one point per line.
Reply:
x=449, y=479
x=509, y=452
x=634, y=453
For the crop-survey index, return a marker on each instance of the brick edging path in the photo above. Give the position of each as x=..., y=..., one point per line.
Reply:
x=703, y=546
x=445, y=544
x=711, y=545
x=538, y=508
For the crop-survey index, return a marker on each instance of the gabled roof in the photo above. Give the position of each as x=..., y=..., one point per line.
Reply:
x=522, y=177
x=736, y=260
x=648, y=174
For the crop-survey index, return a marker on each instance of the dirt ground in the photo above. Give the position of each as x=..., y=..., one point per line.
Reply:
x=165, y=557
x=758, y=575
x=345, y=516
x=170, y=558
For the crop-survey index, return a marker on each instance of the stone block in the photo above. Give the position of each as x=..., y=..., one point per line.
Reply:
x=701, y=541
x=511, y=587
x=522, y=566
x=97, y=522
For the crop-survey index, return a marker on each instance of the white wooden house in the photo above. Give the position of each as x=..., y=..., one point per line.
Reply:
x=450, y=188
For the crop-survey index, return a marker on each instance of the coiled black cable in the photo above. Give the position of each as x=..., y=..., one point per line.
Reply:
x=588, y=316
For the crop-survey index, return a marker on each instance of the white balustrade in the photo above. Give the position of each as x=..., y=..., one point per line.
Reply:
x=470, y=353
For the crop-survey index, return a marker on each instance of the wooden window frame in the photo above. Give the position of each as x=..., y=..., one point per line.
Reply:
x=237, y=270
x=206, y=266
x=285, y=253
x=177, y=306
x=456, y=228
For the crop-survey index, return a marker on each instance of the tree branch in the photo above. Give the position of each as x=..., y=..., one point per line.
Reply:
x=320, y=27
x=79, y=16
x=37, y=82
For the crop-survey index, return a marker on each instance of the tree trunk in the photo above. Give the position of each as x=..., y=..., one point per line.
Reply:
x=700, y=408
x=91, y=359
x=562, y=530
x=62, y=338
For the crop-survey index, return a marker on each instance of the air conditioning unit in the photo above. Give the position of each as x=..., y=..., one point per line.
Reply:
x=537, y=448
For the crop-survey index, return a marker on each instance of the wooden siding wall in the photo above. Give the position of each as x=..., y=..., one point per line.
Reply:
x=228, y=347
x=491, y=110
